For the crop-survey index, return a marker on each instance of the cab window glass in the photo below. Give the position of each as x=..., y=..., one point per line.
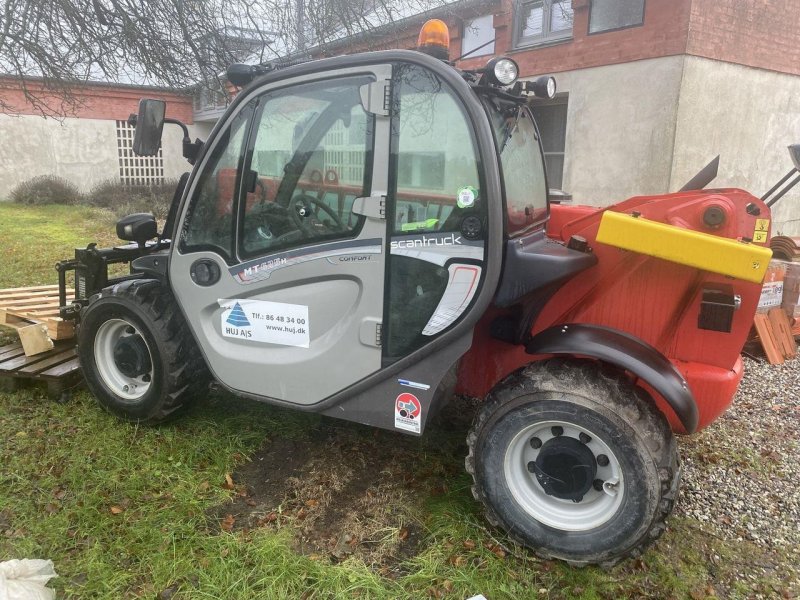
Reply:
x=309, y=158
x=437, y=182
x=209, y=223
x=436, y=187
x=523, y=168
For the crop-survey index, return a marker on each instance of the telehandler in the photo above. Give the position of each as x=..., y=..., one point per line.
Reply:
x=366, y=235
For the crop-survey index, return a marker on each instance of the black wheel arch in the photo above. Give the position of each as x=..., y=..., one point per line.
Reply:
x=627, y=352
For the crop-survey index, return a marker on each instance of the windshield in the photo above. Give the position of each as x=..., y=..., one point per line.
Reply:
x=522, y=164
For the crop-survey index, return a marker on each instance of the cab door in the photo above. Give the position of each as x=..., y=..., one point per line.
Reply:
x=280, y=260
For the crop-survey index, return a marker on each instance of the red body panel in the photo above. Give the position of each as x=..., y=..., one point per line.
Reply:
x=655, y=300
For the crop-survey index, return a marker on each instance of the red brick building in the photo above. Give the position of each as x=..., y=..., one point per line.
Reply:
x=651, y=90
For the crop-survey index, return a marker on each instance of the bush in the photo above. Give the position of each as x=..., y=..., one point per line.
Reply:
x=46, y=189
x=123, y=199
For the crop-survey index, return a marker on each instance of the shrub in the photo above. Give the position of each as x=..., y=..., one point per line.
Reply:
x=46, y=189
x=123, y=199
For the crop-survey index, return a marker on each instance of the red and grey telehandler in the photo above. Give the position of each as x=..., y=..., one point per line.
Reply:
x=365, y=236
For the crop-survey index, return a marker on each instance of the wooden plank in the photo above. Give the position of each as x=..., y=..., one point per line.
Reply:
x=10, y=356
x=59, y=329
x=14, y=321
x=771, y=348
x=14, y=294
x=21, y=361
x=34, y=339
x=783, y=332
x=48, y=362
x=10, y=349
x=33, y=288
x=61, y=370
x=29, y=303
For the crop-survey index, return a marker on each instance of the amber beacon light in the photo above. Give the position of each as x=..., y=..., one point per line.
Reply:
x=434, y=39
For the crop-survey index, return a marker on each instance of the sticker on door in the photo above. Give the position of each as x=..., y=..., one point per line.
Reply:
x=407, y=412
x=265, y=322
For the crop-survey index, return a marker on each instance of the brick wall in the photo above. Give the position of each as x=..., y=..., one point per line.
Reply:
x=664, y=33
x=755, y=33
x=98, y=101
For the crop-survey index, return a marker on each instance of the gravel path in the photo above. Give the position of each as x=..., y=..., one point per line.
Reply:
x=742, y=475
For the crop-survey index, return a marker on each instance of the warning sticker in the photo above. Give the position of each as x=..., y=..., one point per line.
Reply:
x=266, y=322
x=407, y=412
x=761, y=229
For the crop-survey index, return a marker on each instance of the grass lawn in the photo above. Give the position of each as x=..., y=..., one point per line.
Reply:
x=240, y=500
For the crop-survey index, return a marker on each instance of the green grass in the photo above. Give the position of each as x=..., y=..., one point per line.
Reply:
x=123, y=511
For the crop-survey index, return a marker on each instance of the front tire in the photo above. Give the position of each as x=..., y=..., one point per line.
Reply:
x=573, y=463
x=136, y=353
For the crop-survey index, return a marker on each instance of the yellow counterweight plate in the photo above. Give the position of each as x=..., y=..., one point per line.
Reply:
x=684, y=246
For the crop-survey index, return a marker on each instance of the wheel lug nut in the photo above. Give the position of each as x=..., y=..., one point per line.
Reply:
x=125, y=388
x=531, y=467
x=602, y=460
x=597, y=484
x=585, y=439
x=536, y=443
x=557, y=431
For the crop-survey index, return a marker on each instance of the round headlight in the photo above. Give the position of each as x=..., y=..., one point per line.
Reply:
x=505, y=71
x=551, y=87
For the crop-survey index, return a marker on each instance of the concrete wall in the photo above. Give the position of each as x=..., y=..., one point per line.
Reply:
x=620, y=129
x=746, y=115
x=83, y=151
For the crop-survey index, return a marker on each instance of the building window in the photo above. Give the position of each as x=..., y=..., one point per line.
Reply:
x=608, y=15
x=542, y=21
x=133, y=169
x=551, y=117
x=478, y=32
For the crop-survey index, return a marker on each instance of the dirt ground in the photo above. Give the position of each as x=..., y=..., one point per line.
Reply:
x=344, y=489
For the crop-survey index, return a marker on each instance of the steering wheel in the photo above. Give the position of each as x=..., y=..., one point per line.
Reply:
x=301, y=208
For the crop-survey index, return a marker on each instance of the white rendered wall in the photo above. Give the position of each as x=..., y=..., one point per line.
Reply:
x=748, y=116
x=83, y=151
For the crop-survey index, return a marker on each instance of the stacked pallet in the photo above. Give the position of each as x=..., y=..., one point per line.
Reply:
x=33, y=312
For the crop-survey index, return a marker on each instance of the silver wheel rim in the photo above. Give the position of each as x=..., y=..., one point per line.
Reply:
x=596, y=507
x=108, y=334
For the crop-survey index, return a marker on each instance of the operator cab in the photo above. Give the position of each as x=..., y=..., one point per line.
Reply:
x=348, y=216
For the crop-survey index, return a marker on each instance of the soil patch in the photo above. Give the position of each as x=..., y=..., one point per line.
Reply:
x=348, y=490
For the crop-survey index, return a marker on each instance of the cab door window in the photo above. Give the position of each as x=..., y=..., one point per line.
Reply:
x=309, y=157
x=436, y=189
x=209, y=223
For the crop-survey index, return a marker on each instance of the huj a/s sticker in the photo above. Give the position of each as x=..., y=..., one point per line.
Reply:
x=407, y=412
x=266, y=322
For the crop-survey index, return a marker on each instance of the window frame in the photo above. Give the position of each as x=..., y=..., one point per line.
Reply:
x=547, y=37
x=602, y=31
x=558, y=100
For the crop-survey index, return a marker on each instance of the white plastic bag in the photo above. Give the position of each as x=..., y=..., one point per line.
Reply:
x=26, y=579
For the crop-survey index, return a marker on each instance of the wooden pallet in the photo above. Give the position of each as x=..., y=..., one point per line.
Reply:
x=21, y=308
x=58, y=368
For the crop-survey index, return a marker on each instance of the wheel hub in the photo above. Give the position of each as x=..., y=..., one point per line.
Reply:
x=131, y=356
x=565, y=468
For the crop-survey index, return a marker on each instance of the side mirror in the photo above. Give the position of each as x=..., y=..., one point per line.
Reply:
x=794, y=150
x=149, y=124
x=138, y=227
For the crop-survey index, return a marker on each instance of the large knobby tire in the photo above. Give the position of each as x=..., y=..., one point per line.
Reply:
x=575, y=463
x=136, y=353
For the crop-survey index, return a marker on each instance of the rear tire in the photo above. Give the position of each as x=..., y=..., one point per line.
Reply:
x=136, y=353
x=575, y=464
